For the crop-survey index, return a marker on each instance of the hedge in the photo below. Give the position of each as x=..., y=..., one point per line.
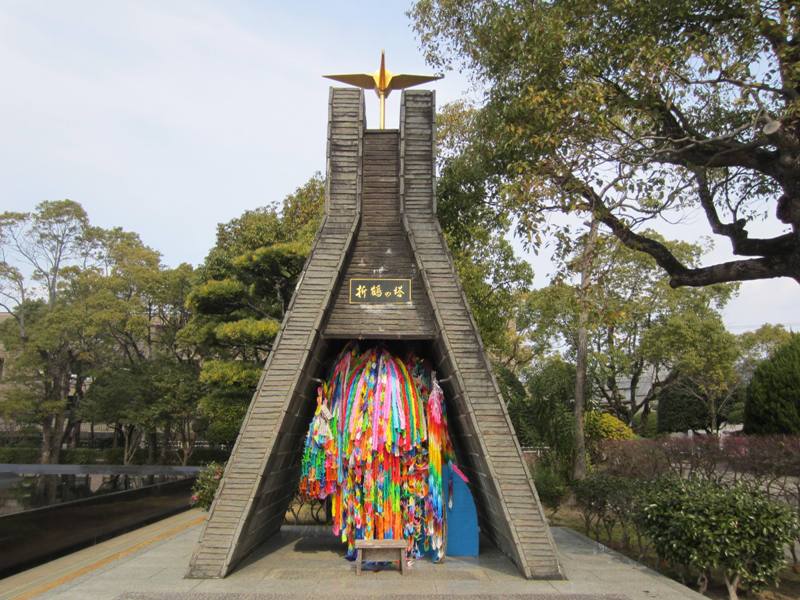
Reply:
x=106, y=456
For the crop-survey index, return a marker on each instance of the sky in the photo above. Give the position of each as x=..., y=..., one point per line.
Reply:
x=167, y=118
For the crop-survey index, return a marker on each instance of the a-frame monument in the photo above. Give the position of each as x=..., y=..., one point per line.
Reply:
x=380, y=225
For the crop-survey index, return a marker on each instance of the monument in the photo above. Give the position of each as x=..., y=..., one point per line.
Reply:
x=379, y=234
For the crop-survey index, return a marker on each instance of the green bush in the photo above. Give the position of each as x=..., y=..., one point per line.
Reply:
x=601, y=427
x=25, y=439
x=609, y=501
x=518, y=404
x=706, y=527
x=19, y=455
x=204, y=456
x=206, y=485
x=98, y=456
x=681, y=411
x=647, y=427
x=551, y=486
x=106, y=456
x=773, y=396
x=551, y=389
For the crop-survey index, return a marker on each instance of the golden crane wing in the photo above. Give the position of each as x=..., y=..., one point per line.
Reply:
x=362, y=80
x=402, y=81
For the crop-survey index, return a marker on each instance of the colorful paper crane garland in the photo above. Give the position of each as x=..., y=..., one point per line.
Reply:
x=376, y=446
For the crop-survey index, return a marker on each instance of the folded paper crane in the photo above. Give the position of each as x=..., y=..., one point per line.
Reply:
x=383, y=81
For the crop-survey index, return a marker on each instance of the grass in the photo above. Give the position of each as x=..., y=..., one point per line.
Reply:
x=787, y=589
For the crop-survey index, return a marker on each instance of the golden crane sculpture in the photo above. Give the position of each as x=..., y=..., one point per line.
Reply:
x=383, y=81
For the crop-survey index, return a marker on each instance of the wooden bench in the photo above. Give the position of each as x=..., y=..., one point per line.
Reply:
x=381, y=550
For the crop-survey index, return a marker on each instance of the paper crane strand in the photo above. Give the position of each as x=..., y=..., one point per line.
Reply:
x=376, y=445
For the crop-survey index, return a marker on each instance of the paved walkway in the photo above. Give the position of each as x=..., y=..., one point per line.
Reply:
x=149, y=563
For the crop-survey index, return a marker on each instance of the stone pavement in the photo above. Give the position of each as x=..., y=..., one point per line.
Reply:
x=150, y=563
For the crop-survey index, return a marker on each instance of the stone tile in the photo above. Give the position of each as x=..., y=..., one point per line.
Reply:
x=314, y=567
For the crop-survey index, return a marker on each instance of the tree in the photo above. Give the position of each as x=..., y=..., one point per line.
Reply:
x=631, y=111
x=124, y=398
x=702, y=356
x=549, y=419
x=680, y=411
x=39, y=253
x=239, y=300
x=493, y=277
x=135, y=308
x=633, y=296
x=517, y=403
x=773, y=396
x=758, y=345
x=178, y=391
x=627, y=296
x=87, y=304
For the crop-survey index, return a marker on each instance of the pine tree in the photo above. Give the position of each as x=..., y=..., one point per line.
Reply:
x=773, y=397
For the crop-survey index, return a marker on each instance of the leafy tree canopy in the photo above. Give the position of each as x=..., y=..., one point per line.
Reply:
x=493, y=277
x=633, y=110
x=629, y=300
x=85, y=301
x=773, y=396
x=241, y=295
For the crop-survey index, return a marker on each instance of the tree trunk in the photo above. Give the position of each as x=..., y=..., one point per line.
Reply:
x=73, y=434
x=47, y=441
x=635, y=376
x=586, y=264
x=712, y=413
x=187, y=442
x=165, y=442
x=58, y=439
x=52, y=438
x=579, y=465
x=733, y=586
x=152, y=444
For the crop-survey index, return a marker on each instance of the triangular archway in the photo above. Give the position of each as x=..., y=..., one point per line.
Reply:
x=380, y=223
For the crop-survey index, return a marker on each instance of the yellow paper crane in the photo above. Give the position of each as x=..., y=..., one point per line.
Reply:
x=383, y=81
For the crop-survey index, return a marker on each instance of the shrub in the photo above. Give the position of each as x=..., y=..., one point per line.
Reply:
x=106, y=456
x=25, y=438
x=681, y=411
x=551, y=486
x=19, y=455
x=202, y=456
x=548, y=419
x=95, y=456
x=607, y=501
x=640, y=459
x=206, y=485
x=518, y=404
x=773, y=395
x=599, y=427
x=646, y=426
x=699, y=456
x=707, y=527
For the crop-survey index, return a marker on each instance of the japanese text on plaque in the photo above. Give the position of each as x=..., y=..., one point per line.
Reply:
x=380, y=291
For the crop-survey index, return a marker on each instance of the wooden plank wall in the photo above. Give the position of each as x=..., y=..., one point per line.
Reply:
x=396, y=212
x=510, y=511
x=381, y=250
x=261, y=476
